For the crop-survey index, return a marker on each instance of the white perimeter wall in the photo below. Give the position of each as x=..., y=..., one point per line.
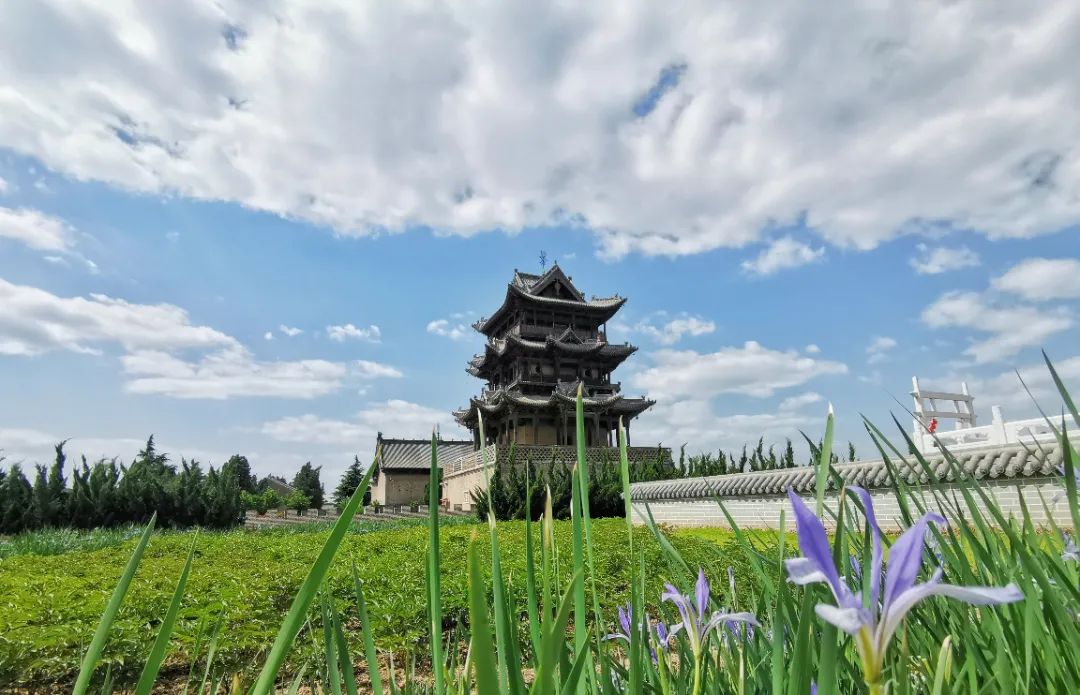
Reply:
x=764, y=512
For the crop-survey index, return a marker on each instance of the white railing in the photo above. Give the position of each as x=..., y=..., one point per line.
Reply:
x=997, y=433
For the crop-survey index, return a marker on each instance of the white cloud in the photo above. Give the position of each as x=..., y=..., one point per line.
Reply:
x=31, y=446
x=447, y=330
x=1011, y=327
x=3, y=185
x=752, y=370
x=878, y=349
x=35, y=229
x=269, y=335
x=800, y=401
x=155, y=339
x=290, y=331
x=937, y=260
x=860, y=123
x=1041, y=279
x=366, y=369
x=783, y=254
x=371, y=334
x=33, y=321
x=1005, y=389
x=395, y=418
x=229, y=373
x=673, y=331
x=812, y=349
x=695, y=423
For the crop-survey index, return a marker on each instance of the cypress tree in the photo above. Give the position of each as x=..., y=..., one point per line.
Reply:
x=17, y=495
x=307, y=481
x=350, y=480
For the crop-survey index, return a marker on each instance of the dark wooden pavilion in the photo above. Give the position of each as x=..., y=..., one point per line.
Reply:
x=544, y=342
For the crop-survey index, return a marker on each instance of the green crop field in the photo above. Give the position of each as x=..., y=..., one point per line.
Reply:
x=52, y=602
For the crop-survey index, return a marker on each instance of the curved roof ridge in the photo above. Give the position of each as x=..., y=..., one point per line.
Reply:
x=993, y=462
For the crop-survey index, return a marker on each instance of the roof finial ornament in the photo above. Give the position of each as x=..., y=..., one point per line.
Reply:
x=543, y=259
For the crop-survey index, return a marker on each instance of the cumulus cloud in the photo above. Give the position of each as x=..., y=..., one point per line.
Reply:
x=453, y=331
x=1010, y=327
x=43, y=232
x=783, y=254
x=812, y=349
x=673, y=331
x=35, y=229
x=33, y=321
x=800, y=401
x=290, y=331
x=715, y=124
x=1041, y=279
x=397, y=418
x=940, y=259
x=751, y=370
x=696, y=423
x=878, y=349
x=30, y=446
x=366, y=369
x=340, y=334
x=1005, y=389
x=156, y=340
x=229, y=373
x=268, y=335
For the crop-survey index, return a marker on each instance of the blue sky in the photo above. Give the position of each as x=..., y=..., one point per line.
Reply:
x=210, y=235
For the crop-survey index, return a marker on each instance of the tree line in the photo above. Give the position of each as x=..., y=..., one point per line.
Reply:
x=517, y=490
x=108, y=493
x=750, y=460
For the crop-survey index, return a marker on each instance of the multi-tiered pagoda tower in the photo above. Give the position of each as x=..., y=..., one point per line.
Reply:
x=542, y=343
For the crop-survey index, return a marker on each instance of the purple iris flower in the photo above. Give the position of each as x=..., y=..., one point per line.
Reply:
x=1070, y=553
x=874, y=622
x=626, y=618
x=696, y=621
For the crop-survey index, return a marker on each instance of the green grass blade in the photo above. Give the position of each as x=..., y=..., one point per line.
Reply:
x=531, y=592
x=161, y=643
x=778, y=660
x=637, y=610
x=487, y=678
x=509, y=674
x=297, y=614
x=573, y=679
x=294, y=688
x=553, y=643
x=824, y=463
x=101, y=635
x=211, y=651
x=1064, y=392
x=1070, y=476
x=434, y=590
x=348, y=674
x=624, y=473
x=578, y=586
x=369, y=641
x=330, y=655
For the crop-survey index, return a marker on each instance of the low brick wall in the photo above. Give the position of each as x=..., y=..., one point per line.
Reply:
x=764, y=511
x=462, y=476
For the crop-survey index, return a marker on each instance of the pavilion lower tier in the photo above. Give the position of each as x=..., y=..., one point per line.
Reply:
x=462, y=475
x=553, y=428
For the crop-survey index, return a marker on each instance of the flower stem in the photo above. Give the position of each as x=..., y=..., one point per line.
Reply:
x=697, y=676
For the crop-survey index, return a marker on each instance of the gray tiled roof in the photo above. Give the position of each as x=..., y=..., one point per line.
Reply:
x=399, y=454
x=1012, y=461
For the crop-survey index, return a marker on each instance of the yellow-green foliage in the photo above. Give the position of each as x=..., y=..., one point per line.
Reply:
x=51, y=604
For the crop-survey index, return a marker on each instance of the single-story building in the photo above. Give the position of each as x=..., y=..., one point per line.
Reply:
x=404, y=468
